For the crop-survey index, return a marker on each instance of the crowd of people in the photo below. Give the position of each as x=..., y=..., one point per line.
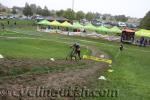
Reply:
x=143, y=42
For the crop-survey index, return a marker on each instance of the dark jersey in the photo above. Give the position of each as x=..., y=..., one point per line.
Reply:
x=77, y=47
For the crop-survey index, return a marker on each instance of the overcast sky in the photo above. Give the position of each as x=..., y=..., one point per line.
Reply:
x=133, y=8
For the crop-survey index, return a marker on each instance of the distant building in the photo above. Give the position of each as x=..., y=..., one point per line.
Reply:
x=133, y=20
x=19, y=10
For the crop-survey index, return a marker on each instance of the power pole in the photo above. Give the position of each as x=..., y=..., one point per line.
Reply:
x=72, y=5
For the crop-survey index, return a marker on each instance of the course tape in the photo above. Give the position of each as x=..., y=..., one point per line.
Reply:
x=97, y=59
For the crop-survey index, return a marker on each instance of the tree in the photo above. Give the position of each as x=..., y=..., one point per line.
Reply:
x=89, y=16
x=3, y=10
x=121, y=18
x=52, y=13
x=69, y=14
x=145, y=22
x=104, y=17
x=13, y=10
x=80, y=15
x=45, y=11
x=39, y=10
x=34, y=8
x=27, y=11
x=60, y=13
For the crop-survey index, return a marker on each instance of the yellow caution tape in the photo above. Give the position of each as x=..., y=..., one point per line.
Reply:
x=97, y=59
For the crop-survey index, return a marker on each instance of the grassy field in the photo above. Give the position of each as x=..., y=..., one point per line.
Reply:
x=32, y=48
x=131, y=67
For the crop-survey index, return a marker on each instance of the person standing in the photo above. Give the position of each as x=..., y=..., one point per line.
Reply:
x=145, y=42
x=142, y=41
x=15, y=23
x=8, y=22
x=121, y=47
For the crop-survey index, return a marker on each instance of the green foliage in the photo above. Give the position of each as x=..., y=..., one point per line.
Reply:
x=27, y=11
x=34, y=8
x=89, y=16
x=121, y=18
x=69, y=14
x=2, y=9
x=39, y=10
x=60, y=13
x=13, y=11
x=80, y=15
x=145, y=23
x=45, y=11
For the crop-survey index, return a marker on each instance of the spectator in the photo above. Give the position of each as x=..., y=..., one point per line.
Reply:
x=15, y=23
x=137, y=42
x=141, y=41
x=121, y=47
x=145, y=42
x=8, y=22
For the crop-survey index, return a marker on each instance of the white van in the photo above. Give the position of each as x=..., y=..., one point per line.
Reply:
x=121, y=24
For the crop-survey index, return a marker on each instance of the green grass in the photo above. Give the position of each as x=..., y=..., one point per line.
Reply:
x=131, y=75
x=31, y=48
x=18, y=22
x=131, y=67
x=34, y=48
x=17, y=71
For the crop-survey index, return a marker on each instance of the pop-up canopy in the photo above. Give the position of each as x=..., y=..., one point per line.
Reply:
x=90, y=27
x=44, y=22
x=143, y=32
x=77, y=25
x=66, y=24
x=55, y=23
x=115, y=30
x=102, y=29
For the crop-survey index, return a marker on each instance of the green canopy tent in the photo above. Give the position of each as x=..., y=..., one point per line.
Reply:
x=44, y=22
x=43, y=25
x=77, y=25
x=90, y=27
x=143, y=32
x=66, y=24
x=103, y=29
x=55, y=23
x=115, y=29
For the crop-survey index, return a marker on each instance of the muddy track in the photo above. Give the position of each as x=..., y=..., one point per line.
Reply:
x=77, y=77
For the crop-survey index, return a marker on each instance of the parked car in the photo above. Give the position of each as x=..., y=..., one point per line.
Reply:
x=96, y=23
x=131, y=25
x=122, y=24
x=3, y=17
